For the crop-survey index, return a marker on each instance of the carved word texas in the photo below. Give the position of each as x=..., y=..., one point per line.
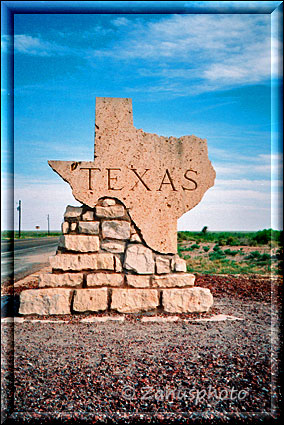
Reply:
x=114, y=182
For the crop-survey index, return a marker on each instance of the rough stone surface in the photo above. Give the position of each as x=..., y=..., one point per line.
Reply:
x=90, y=299
x=137, y=281
x=89, y=228
x=88, y=216
x=178, y=264
x=139, y=259
x=115, y=211
x=113, y=246
x=162, y=265
x=116, y=229
x=73, y=227
x=134, y=300
x=73, y=212
x=168, y=175
x=80, y=243
x=108, y=202
x=100, y=261
x=45, y=301
x=105, y=279
x=64, y=279
x=135, y=238
x=188, y=300
x=173, y=280
x=65, y=227
x=117, y=263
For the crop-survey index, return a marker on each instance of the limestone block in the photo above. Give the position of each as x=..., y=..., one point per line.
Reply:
x=116, y=229
x=188, y=300
x=113, y=246
x=117, y=263
x=162, y=265
x=80, y=243
x=139, y=259
x=105, y=279
x=134, y=300
x=73, y=212
x=108, y=202
x=100, y=261
x=73, y=227
x=173, y=280
x=166, y=176
x=89, y=227
x=45, y=301
x=178, y=264
x=64, y=279
x=137, y=281
x=88, y=216
x=65, y=227
x=90, y=299
x=112, y=211
x=135, y=238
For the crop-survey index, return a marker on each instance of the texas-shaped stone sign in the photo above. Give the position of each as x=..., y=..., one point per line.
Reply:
x=158, y=179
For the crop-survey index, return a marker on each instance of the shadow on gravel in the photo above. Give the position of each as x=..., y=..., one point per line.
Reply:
x=10, y=305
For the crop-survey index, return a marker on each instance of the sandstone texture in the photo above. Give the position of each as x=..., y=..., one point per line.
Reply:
x=57, y=280
x=73, y=212
x=88, y=216
x=115, y=211
x=105, y=279
x=90, y=299
x=89, y=228
x=162, y=265
x=134, y=300
x=173, y=280
x=113, y=246
x=116, y=229
x=82, y=262
x=137, y=281
x=188, y=300
x=168, y=175
x=179, y=264
x=80, y=243
x=139, y=259
x=45, y=301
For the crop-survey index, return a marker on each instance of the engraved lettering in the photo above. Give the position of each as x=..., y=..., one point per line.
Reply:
x=189, y=179
x=167, y=174
x=90, y=175
x=110, y=178
x=140, y=178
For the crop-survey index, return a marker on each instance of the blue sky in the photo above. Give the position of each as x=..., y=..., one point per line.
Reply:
x=204, y=74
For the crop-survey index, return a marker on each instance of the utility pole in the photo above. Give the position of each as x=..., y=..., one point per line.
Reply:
x=48, y=224
x=19, y=208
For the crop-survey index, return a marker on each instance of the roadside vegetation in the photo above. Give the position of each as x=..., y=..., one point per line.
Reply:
x=10, y=234
x=232, y=252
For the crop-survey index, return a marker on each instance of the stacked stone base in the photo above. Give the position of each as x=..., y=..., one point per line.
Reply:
x=103, y=264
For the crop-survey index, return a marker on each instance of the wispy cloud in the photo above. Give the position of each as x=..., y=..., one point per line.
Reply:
x=35, y=46
x=210, y=51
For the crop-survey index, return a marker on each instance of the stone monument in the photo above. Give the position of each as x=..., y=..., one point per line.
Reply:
x=118, y=251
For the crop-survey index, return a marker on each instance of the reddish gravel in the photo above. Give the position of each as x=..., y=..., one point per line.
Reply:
x=99, y=372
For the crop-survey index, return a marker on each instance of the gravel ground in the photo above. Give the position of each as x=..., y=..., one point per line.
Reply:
x=130, y=372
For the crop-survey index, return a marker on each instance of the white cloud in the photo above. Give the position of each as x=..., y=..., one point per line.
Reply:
x=220, y=50
x=35, y=46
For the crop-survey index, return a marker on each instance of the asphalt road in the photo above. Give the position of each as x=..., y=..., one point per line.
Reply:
x=28, y=256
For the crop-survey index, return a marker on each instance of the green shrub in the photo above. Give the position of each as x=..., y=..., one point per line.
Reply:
x=258, y=257
x=206, y=248
x=195, y=246
x=231, y=252
x=216, y=255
